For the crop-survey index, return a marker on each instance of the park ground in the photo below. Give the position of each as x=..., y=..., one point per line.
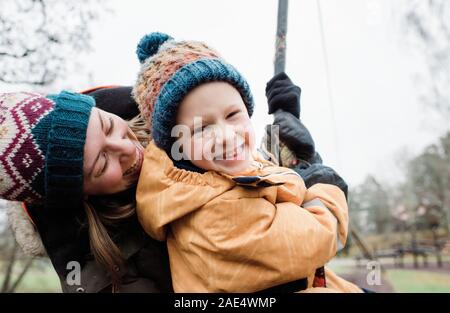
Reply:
x=42, y=278
x=429, y=279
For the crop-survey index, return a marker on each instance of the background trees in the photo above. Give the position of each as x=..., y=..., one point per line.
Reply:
x=427, y=25
x=41, y=40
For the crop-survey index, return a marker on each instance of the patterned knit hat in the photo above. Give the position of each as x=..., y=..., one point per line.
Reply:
x=170, y=69
x=41, y=147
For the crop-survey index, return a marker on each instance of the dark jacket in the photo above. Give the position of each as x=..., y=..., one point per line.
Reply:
x=65, y=236
x=147, y=263
x=146, y=268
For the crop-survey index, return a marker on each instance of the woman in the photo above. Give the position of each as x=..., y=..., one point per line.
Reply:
x=101, y=213
x=42, y=164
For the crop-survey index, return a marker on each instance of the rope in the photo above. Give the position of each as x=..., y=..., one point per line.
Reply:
x=280, y=42
x=328, y=80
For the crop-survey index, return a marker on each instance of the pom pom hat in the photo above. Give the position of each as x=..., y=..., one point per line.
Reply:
x=170, y=70
x=42, y=142
x=42, y=146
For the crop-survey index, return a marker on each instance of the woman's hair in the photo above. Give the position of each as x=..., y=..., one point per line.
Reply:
x=106, y=213
x=141, y=129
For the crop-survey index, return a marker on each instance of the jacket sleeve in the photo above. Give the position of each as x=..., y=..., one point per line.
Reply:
x=333, y=198
x=290, y=185
x=251, y=245
x=293, y=189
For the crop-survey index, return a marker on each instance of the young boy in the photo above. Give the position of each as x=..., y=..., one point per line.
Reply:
x=233, y=221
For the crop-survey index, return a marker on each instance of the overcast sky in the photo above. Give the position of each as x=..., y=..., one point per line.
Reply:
x=376, y=111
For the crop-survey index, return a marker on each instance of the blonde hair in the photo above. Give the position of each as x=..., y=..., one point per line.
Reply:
x=103, y=248
x=108, y=211
x=140, y=129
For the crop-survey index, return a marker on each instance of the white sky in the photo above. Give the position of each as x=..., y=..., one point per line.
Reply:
x=374, y=99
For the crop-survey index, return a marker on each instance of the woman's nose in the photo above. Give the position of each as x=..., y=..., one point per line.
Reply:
x=123, y=147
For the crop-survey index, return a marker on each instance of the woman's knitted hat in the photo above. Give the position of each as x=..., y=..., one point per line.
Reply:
x=170, y=70
x=42, y=147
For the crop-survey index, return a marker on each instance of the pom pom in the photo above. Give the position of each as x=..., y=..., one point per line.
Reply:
x=150, y=44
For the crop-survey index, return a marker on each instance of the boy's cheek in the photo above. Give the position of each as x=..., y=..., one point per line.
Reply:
x=201, y=150
x=250, y=136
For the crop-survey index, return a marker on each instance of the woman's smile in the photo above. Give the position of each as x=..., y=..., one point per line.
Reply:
x=113, y=155
x=135, y=168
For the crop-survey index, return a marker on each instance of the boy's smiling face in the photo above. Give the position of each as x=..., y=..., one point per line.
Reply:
x=221, y=136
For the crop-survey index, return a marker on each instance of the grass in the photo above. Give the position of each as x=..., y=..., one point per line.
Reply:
x=412, y=281
x=403, y=280
x=41, y=277
x=339, y=269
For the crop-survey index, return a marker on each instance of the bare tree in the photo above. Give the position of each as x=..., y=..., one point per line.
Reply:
x=41, y=39
x=12, y=259
x=428, y=183
x=428, y=28
x=370, y=207
x=40, y=44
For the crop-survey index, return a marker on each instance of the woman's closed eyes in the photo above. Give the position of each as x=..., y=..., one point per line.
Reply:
x=103, y=156
x=111, y=149
x=111, y=126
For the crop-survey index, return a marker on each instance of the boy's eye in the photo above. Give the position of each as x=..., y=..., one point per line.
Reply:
x=233, y=113
x=200, y=129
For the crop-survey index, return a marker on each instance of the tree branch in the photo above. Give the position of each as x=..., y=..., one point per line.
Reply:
x=9, y=269
x=21, y=275
x=18, y=56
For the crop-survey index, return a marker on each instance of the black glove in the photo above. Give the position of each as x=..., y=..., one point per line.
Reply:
x=282, y=94
x=319, y=173
x=295, y=135
x=116, y=100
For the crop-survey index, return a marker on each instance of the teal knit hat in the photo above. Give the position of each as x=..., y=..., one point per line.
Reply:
x=42, y=147
x=170, y=70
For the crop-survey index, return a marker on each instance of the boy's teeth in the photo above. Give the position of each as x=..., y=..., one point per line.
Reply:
x=232, y=153
x=229, y=154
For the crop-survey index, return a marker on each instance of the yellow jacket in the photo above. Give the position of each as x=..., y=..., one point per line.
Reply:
x=226, y=237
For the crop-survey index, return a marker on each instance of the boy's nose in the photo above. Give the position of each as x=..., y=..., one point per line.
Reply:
x=224, y=134
x=227, y=139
